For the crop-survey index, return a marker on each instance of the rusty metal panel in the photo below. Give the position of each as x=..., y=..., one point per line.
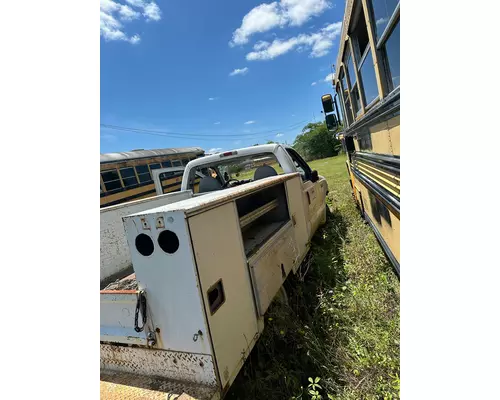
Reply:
x=220, y=257
x=270, y=266
x=179, y=366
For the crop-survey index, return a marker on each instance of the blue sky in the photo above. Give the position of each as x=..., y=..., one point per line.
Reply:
x=222, y=70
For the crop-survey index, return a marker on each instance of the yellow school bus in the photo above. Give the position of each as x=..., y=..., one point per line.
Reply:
x=128, y=175
x=366, y=101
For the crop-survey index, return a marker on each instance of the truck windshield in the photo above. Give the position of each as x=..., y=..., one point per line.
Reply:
x=232, y=172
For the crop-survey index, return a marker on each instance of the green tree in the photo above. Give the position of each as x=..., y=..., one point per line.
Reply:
x=316, y=141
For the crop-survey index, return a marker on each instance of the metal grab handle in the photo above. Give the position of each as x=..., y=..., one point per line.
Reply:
x=140, y=306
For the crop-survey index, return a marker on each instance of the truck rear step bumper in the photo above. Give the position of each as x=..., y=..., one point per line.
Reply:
x=126, y=386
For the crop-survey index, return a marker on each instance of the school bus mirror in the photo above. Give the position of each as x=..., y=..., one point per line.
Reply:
x=327, y=101
x=331, y=122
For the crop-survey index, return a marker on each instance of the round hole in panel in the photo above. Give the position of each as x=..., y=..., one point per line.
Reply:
x=168, y=241
x=144, y=244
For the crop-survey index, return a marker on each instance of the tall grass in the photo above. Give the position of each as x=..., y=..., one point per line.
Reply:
x=341, y=321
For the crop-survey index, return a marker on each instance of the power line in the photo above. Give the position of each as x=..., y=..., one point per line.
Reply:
x=205, y=136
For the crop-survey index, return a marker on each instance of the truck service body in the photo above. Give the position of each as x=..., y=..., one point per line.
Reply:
x=196, y=272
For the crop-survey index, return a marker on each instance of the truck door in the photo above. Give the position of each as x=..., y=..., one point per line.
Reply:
x=314, y=195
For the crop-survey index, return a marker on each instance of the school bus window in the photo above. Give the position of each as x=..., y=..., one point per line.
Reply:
x=128, y=176
x=364, y=60
x=176, y=163
x=341, y=111
x=360, y=36
x=185, y=161
x=367, y=71
x=143, y=173
x=343, y=79
x=166, y=164
x=383, y=10
x=355, y=100
x=348, y=111
x=154, y=166
x=392, y=51
x=111, y=179
x=351, y=76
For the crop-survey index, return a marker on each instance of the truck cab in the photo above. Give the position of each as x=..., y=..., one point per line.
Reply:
x=241, y=166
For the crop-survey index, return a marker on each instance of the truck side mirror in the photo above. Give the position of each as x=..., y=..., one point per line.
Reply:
x=314, y=176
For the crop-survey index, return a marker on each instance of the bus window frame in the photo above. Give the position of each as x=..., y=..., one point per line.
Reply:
x=117, y=171
x=361, y=64
x=147, y=182
x=174, y=161
x=380, y=56
x=123, y=178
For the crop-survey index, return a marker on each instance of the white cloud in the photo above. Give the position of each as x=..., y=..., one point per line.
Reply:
x=319, y=44
x=314, y=83
x=217, y=123
x=381, y=21
x=329, y=78
x=128, y=14
x=238, y=71
x=213, y=98
x=249, y=122
x=267, y=16
x=136, y=3
x=300, y=11
x=260, y=19
x=215, y=150
x=113, y=15
x=152, y=12
x=135, y=39
x=280, y=134
x=260, y=45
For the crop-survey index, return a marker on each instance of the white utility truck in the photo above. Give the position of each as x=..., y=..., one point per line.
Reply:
x=187, y=277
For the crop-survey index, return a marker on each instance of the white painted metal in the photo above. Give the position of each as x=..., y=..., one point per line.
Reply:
x=117, y=319
x=170, y=282
x=156, y=177
x=278, y=150
x=115, y=255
